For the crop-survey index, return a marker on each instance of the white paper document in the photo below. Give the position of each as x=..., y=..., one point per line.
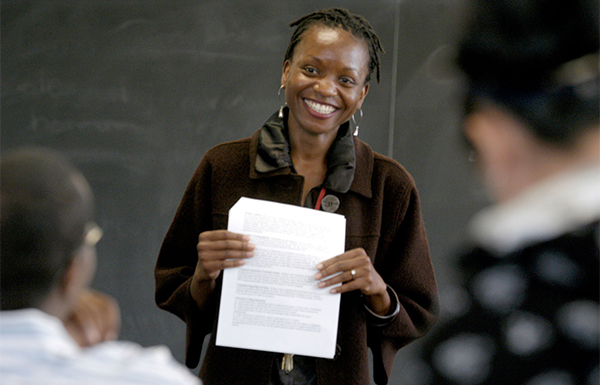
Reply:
x=272, y=303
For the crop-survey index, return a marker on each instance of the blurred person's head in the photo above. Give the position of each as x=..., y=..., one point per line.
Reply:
x=47, y=233
x=532, y=97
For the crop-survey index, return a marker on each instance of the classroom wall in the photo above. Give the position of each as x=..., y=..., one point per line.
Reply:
x=136, y=91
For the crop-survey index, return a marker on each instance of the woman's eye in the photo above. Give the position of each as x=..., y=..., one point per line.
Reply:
x=348, y=81
x=310, y=70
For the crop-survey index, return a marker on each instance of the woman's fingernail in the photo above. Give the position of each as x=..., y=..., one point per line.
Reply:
x=318, y=276
x=319, y=266
x=321, y=284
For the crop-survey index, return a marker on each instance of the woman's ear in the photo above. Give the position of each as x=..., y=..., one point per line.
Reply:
x=285, y=71
x=363, y=95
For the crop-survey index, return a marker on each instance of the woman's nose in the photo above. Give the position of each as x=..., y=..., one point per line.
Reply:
x=326, y=86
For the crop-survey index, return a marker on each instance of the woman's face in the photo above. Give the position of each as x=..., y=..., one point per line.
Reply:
x=325, y=79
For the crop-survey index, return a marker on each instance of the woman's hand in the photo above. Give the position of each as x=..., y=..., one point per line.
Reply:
x=95, y=318
x=357, y=273
x=218, y=250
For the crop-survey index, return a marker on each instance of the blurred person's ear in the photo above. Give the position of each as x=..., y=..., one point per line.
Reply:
x=502, y=147
x=77, y=278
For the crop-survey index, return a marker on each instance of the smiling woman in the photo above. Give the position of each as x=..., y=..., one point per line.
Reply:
x=304, y=155
x=325, y=81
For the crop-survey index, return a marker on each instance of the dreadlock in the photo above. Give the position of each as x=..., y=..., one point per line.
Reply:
x=338, y=17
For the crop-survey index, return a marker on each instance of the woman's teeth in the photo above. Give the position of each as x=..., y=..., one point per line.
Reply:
x=320, y=108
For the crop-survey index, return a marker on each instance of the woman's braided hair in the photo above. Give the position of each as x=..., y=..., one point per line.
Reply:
x=338, y=17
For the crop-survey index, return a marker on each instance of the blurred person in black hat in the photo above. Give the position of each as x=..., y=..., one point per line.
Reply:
x=529, y=288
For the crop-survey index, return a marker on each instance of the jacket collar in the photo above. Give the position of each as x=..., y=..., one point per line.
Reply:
x=350, y=161
x=547, y=210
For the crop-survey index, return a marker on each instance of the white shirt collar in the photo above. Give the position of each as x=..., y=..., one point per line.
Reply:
x=547, y=210
x=48, y=331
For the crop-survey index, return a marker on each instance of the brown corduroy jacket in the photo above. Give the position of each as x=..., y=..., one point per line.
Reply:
x=383, y=216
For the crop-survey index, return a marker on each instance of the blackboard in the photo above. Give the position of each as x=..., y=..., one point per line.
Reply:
x=135, y=92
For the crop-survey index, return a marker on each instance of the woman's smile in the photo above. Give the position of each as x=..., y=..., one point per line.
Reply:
x=319, y=108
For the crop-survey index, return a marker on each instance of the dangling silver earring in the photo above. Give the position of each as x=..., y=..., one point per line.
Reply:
x=359, y=121
x=282, y=105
